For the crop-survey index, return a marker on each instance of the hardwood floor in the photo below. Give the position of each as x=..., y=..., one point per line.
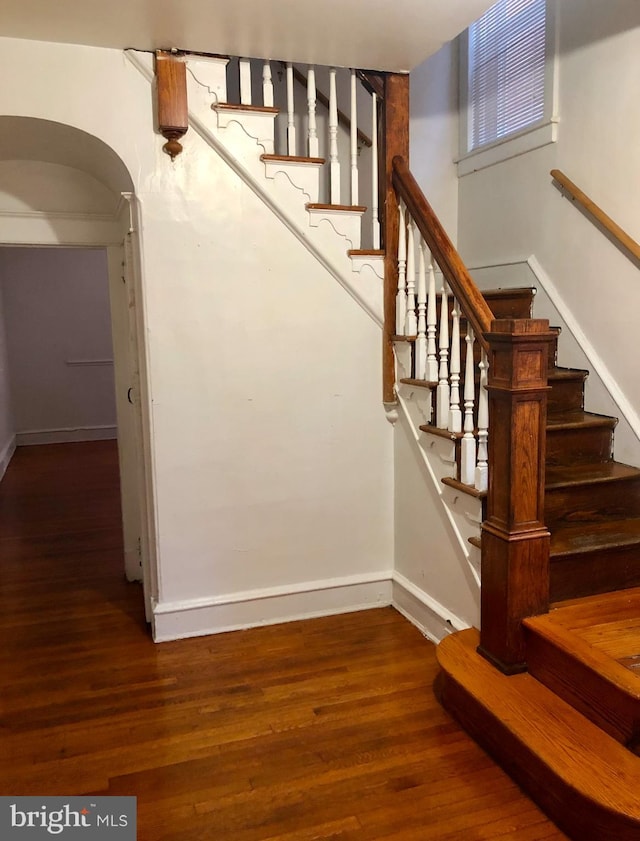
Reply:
x=310, y=730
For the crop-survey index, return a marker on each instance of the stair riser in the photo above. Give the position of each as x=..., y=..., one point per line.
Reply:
x=589, y=573
x=588, y=691
x=591, y=503
x=565, y=395
x=577, y=446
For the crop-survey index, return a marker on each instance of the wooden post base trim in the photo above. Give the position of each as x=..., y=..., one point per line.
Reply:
x=505, y=668
x=515, y=585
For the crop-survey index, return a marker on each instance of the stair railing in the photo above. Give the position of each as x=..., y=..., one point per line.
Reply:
x=252, y=94
x=501, y=413
x=433, y=320
x=617, y=234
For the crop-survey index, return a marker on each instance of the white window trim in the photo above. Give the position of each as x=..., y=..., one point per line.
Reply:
x=535, y=136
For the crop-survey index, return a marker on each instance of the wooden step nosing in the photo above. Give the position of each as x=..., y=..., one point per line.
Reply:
x=419, y=383
x=441, y=433
x=457, y=485
x=292, y=159
x=366, y=252
x=247, y=109
x=588, y=481
x=336, y=208
x=597, y=546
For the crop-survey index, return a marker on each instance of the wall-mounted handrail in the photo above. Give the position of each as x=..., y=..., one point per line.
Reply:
x=475, y=308
x=618, y=234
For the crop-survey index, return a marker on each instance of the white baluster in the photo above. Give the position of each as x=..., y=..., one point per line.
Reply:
x=291, y=119
x=245, y=81
x=267, y=85
x=334, y=163
x=421, y=340
x=401, y=296
x=442, y=392
x=311, y=107
x=482, y=468
x=410, y=324
x=375, y=220
x=468, y=450
x=431, y=374
x=354, y=140
x=455, y=415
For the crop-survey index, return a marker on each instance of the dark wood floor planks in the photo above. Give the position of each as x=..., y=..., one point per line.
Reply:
x=325, y=729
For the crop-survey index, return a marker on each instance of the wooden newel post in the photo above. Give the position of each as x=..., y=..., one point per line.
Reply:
x=173, y=114
x=395, y=141
x=515, y=542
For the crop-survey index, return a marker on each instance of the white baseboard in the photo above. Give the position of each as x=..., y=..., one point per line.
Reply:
x=252, y=608
x=66, y=436
x=6, y=454
x=428, y=615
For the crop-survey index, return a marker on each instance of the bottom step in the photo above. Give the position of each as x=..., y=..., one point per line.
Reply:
x=583, y=779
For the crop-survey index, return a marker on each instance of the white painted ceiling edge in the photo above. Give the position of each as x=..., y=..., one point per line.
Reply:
x=394, y=35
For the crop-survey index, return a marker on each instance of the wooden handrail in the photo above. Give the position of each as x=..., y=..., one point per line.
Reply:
x=473, y=304
x=576, y=194
x=344, y=121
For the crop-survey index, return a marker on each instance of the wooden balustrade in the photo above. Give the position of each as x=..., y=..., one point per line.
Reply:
x=501, y=413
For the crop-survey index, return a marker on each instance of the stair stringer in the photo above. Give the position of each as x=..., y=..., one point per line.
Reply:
x=462, y=512
x=329, y=249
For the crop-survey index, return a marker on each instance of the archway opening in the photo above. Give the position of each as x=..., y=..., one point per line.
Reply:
x=66, y=190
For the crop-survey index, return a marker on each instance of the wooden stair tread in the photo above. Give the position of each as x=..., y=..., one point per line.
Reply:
x=589, y=473
x=574, y=663
x=341, y=208
x=366, y=252
x=419, y=383
x=294, y=159
x=574, y=419
x=467, y=489
x=568, y=639
x=590, y=609
x=610, y=623
x=441, y=433
x=584, y=779
x=503, y=292
x=249, y=109
x=569, y=539
x=567, y=374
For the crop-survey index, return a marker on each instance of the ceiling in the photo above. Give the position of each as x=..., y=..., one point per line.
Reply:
x=368, y=34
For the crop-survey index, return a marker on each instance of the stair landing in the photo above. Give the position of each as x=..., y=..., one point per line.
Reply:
x=585, y=780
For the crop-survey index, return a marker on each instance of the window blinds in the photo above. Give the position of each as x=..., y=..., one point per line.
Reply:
x=506, y=69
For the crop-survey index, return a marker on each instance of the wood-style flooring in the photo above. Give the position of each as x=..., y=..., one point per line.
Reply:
x=325, y=729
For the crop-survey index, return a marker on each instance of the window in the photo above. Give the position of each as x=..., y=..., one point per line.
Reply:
x=508, y=78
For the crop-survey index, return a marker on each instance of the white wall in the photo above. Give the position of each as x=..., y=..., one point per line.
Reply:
x=434, y=133
x=56, y=306
x=7, y=428
x=512, y=210
x=272, y=458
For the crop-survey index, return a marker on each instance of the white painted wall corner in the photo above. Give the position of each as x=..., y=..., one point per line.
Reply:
x=6, y=454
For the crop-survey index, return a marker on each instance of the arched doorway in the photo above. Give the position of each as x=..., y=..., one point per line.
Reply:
x=65, y=189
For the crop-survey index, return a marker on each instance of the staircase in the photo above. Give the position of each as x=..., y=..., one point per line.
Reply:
x=569, y=729
x=561, y=518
